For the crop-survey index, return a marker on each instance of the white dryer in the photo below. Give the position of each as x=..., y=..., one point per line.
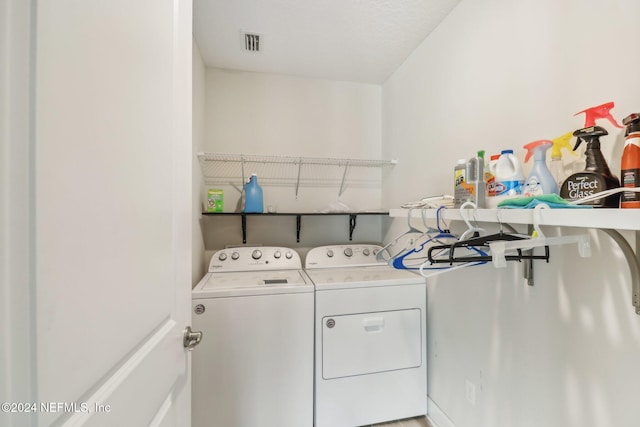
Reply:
x=370, y=363
x=254, y=366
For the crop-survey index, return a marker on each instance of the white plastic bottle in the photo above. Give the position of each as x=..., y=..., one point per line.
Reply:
x=509, y=177
x=490, y=180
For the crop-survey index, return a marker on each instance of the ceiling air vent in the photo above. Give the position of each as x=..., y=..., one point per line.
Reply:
x=252, y=42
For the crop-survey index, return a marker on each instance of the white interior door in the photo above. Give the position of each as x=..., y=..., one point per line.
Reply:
x=110, y=220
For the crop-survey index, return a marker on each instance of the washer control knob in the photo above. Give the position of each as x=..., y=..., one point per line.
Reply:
x=235, y=255
x=277, y=254
x=366, y=252
x=222, y=256
x=348, y=252
x=330, y=253
x=288, y=255
x=256, y=254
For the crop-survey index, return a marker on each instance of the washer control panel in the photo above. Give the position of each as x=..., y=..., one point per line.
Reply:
x=255, y=258
x=343, y=256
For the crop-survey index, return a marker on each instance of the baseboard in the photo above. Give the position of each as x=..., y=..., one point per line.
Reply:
x=436, y=417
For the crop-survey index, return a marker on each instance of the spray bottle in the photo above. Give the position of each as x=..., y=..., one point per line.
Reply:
x=630, y=170
x=598, y=112
x=540, y=180
x=596, y=177
x=556, y=165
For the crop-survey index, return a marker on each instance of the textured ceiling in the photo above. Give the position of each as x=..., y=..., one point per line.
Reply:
x=353, y=40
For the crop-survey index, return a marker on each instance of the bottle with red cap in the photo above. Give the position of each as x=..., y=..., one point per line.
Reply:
x=630, y=167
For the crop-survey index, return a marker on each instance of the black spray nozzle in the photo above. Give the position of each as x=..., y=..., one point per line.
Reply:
x=589, y=134
x=632, y=122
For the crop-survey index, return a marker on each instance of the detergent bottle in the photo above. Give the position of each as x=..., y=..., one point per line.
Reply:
x=460, y=194
x=253, y=196
x=469, y=182
x=557, y=165
x=484, y=162
x=509, y=177
x=596, y=177
x=630, y=170
x=475, y=179
x=488, y=176
x=540, y=180
x=490, y=181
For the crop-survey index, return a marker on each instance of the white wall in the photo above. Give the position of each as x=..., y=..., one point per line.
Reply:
x=498, y=74
x=198, y=126
x=269, y=114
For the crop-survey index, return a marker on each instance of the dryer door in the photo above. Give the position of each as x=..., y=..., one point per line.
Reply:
x=366, y=343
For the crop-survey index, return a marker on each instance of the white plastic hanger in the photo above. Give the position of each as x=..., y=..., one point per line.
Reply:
x=472, y=229
x=412, y=230
x=499, y=248
x=428, y=270
x=415, y=253
x=439, y=270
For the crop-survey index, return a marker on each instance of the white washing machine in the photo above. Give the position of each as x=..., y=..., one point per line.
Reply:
x=370, y=363
x=254, y=365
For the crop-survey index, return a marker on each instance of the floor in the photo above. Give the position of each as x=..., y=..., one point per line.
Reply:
x=408, y=422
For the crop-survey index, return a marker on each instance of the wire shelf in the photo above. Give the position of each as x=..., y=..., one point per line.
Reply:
x=322, y=161
x=219, y=168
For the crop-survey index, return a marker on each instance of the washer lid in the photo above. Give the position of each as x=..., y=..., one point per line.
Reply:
x=347, y=277
x=252, y=283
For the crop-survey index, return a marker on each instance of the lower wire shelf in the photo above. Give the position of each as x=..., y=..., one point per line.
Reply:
x=352, y=218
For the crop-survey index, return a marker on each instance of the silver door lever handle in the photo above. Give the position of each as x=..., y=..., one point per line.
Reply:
x=191, y=338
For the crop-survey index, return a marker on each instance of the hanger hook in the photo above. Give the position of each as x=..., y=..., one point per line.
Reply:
x=439, y=218
x=409, y=218
x=424, y=217
x=537, y=218
x=463, y=208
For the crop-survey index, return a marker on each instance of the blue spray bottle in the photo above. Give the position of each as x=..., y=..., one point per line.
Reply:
x=540, y=180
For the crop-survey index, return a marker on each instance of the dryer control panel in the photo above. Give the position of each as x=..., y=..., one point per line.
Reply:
x=255, y=258
x=343, y=256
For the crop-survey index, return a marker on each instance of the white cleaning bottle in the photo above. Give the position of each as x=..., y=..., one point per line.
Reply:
x=509, y=177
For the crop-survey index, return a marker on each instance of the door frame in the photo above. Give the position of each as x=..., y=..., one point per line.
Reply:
x=16, y=216
x=18, y=376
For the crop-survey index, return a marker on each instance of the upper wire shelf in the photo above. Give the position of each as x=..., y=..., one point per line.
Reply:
x=325, y=161
x=219, y=168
